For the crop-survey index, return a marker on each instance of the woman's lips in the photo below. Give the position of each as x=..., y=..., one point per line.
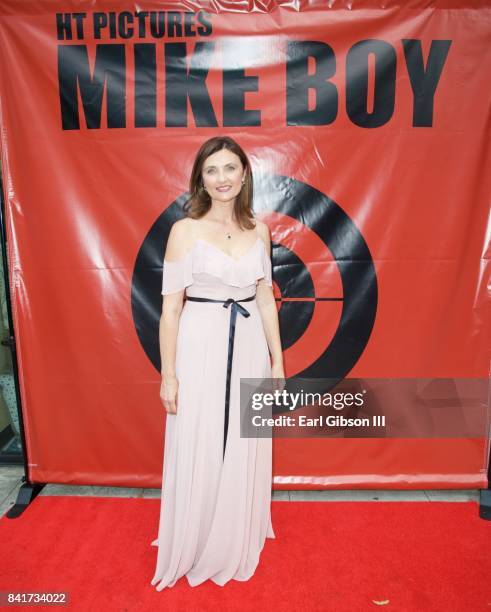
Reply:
x=223, y=188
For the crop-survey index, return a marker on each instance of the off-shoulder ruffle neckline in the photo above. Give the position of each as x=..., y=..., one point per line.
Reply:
x=202, y=259
x=235, y=272
x=215, y=248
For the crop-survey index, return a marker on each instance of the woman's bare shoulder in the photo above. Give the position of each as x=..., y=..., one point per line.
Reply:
x=263, y=231
x=182, y=225
x=180, y=240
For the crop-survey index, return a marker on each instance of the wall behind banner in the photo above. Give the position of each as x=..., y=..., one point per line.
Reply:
x=368, y=134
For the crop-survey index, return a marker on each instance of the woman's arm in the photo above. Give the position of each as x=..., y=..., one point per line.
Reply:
x=177, y=248
x=269, y=314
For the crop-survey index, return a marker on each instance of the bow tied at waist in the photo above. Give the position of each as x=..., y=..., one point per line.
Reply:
x=236, y=306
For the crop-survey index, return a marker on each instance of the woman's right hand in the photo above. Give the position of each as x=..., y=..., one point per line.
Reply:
x=168, y=394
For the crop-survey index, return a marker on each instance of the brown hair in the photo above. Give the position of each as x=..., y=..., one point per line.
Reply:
x=199, y=202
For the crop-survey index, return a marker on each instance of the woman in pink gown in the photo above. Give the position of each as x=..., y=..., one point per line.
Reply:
x=216, y=488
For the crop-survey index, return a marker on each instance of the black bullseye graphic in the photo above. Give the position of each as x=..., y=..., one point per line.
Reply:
x=341, y=242
x=294, y=316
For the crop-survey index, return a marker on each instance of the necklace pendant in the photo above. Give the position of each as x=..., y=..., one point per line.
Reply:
x=229, y=236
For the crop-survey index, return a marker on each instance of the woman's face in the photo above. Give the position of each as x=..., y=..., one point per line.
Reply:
x=222, y=175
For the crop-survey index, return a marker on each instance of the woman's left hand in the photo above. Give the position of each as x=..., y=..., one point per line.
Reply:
x=278, y=376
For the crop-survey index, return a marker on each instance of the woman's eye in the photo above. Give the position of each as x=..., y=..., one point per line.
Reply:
x=212, y=170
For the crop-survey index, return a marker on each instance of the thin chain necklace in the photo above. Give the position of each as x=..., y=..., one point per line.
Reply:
x=228, y=235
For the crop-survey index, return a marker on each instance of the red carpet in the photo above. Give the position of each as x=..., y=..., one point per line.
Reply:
x=327, y=556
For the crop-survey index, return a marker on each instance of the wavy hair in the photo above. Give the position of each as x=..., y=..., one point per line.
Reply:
x=199, y=202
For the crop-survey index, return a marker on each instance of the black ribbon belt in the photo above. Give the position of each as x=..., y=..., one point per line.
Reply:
x=236, y=307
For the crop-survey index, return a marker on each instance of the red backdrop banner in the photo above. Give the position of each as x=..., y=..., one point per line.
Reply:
x=367, y=129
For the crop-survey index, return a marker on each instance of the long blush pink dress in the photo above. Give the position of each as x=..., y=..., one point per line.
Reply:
x=215, y=511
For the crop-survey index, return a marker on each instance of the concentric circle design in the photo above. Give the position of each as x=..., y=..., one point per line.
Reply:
x=323, y=272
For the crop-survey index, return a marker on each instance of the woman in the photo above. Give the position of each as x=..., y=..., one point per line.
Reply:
x=216, y=493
